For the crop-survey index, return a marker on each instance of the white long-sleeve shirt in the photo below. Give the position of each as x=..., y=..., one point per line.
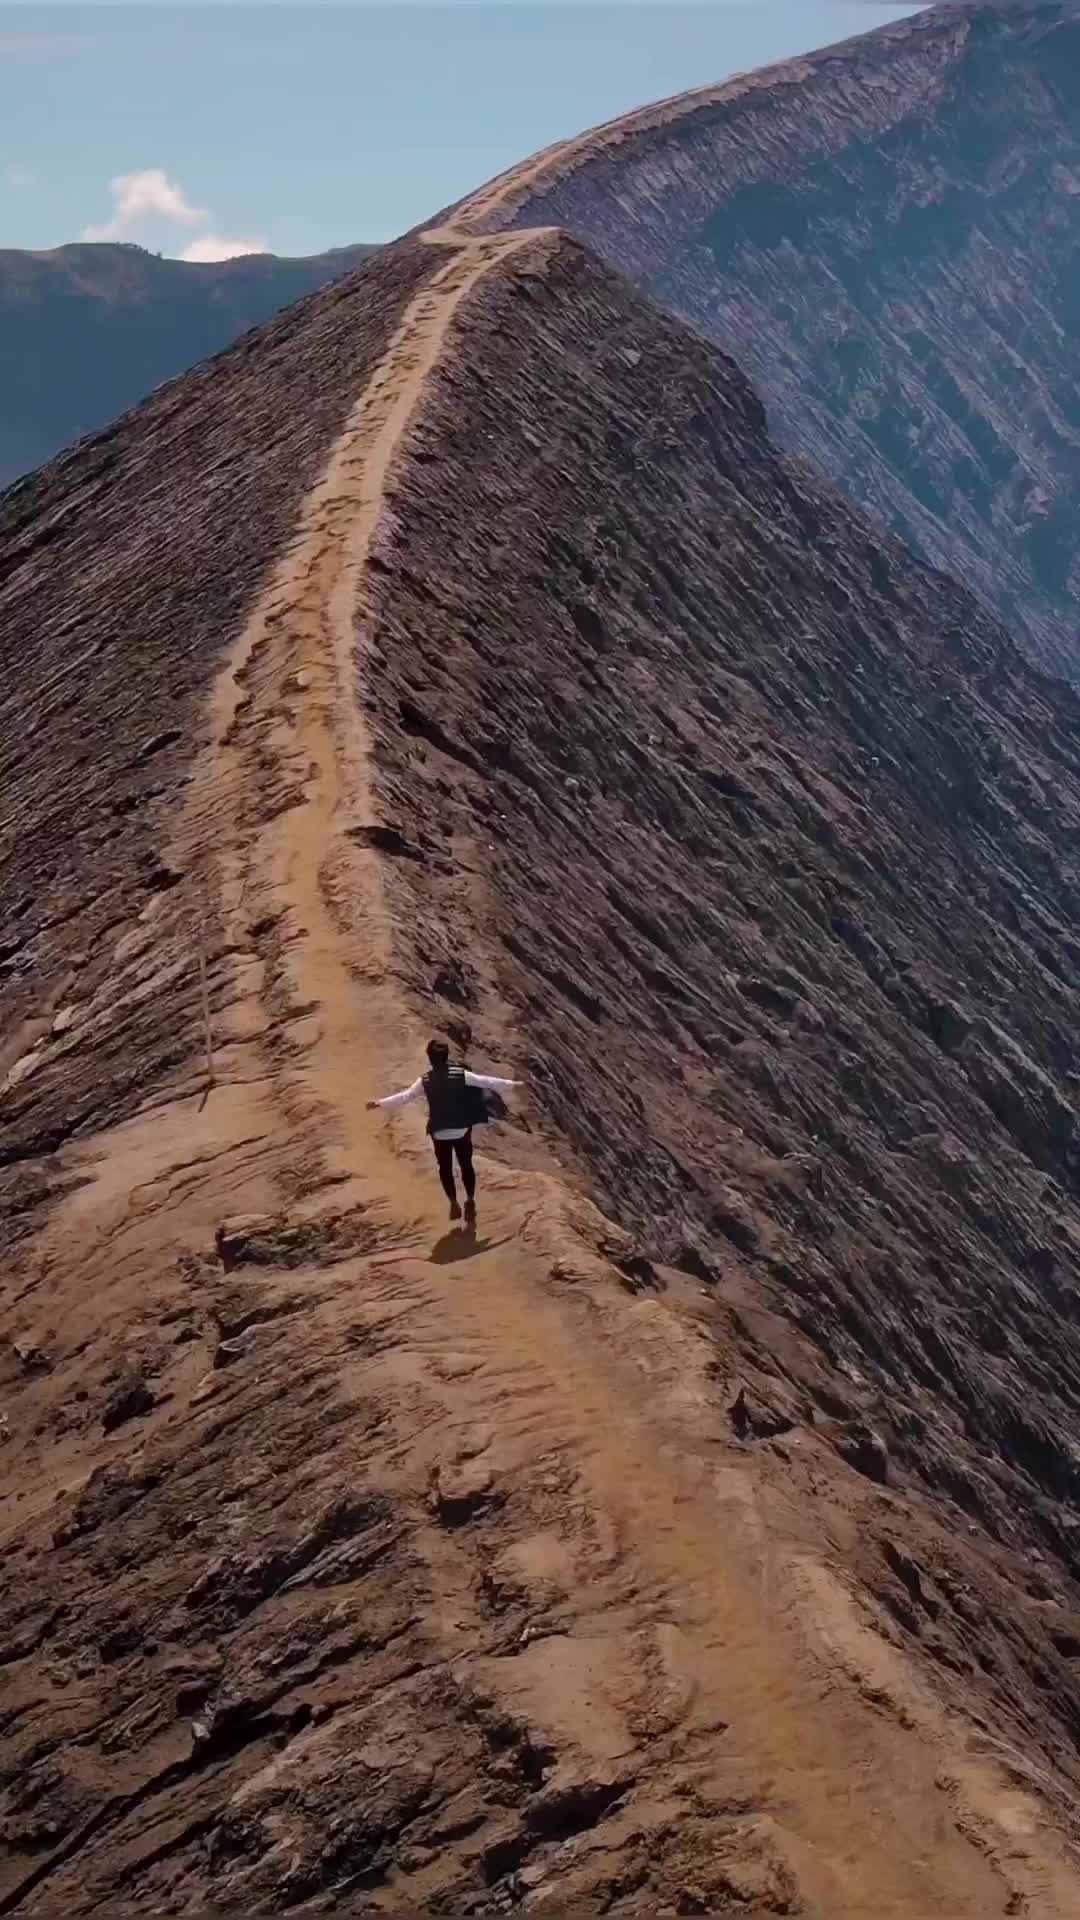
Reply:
x=414, y=1092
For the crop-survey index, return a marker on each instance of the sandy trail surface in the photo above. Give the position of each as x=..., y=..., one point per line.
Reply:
x=694, y=1683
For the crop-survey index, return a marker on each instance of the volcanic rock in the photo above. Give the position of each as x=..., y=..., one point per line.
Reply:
x=887, y=236
x=754, y=838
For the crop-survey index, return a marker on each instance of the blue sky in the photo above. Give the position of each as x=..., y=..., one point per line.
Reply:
x=201, y=129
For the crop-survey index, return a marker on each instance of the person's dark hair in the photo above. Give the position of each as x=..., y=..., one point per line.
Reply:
x=438, y=1053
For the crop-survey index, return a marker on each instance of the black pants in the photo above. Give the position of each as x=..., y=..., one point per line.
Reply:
x=444, y=1154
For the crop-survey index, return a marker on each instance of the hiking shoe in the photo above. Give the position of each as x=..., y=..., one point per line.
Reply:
x=470, y=1209
x=455, y=1210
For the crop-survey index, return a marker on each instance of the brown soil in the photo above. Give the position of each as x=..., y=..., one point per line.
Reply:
x=349, y=1558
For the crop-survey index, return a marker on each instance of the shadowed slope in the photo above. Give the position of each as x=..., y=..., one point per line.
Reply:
x=352, y=1560
x=764, y=837
x=887, y=236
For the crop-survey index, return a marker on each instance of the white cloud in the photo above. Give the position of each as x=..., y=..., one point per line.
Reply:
x=145, y=196
x=143, y=202
x=19, y=178
x=212, y=246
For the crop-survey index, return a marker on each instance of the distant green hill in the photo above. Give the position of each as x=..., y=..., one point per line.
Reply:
x=87, y=330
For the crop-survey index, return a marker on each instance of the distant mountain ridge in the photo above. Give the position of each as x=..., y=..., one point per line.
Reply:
x=88, y=330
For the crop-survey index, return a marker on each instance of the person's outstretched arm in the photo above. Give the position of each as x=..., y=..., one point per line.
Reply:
x=398, y=1099
x=491, y=1080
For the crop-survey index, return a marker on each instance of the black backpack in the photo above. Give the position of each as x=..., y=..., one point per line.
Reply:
x=452, y=1102
x=478, y=1102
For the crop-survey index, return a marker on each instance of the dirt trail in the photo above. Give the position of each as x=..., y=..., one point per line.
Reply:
x=860, y=1803
x=500, y=198
x=696, y=1668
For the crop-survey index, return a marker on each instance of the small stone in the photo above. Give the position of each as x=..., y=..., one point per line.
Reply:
x=234, y=1237
x=458, y=1493
x=129, y=1401
x=866, y=1451
x=731, y=1217
x=756, y=1419
x=23, y=1068
x=228, y=1351
x=32, y=1359
x=695, y=1261
x=414, y=1859
x=157, y=743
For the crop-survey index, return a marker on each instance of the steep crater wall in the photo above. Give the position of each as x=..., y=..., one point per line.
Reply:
x=887, y=235
x=759, y=838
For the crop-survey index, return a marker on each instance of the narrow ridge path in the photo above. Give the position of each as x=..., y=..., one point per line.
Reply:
x=687, y=1630
x=714, y=1702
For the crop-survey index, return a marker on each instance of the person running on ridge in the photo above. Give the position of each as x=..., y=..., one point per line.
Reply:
x=451, y=1117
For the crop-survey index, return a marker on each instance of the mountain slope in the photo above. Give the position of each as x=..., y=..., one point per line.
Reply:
x=887, y=234
x=459, y=648
x=86, y=331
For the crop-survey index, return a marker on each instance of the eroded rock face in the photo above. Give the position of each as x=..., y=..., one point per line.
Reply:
x=353, y=1562
x=753, y=840
x=887, y=236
